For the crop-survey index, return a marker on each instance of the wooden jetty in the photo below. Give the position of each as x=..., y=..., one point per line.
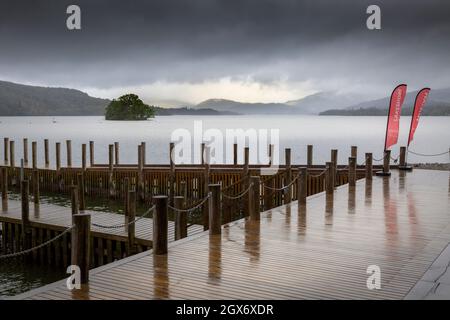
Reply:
x=320, y=248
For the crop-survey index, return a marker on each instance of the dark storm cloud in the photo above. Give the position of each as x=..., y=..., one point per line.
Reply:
x=126, y=43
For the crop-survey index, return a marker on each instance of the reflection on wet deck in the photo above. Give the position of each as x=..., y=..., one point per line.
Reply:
x=400, y=224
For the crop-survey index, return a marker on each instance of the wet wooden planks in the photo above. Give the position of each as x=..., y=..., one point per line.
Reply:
x=400, y=224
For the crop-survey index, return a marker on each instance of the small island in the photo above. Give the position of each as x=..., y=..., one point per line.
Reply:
x=129, y=107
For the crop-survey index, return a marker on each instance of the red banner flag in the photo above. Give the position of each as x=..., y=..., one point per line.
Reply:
x=421, y=98
x=395, y=109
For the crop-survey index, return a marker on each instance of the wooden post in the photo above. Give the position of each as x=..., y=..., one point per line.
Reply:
x=354, y=152
x=46, y=154
x=5, y=150
x=74, y=199
x=81, y=189
x=91, y=153
x=369, y=161
x=271, y=153
x=81, y=239
x=205, y=208
x=302, y=186
x=215, y=210
x=131, y=228
x=309, y=155
x=245, y=174
x=83, y=157
x=58, y=155
x=143, y=147
x=403, y=156
x=172, y=172
x=36, y=194
x=254, y=195
x=140, y=181
x=180, y=218
x=329, y=177
x=116, y=152
x=34, y=154
x=334, y=160
x=160, y=225
x=111, y=157
x=352, y=171
x=25, y=214
x=126, y=196
x=69, y=153
x=25, y=152
x=202, y=158
x=11, y=154
x=4, y=189
x=235, y=154
x=288, y=176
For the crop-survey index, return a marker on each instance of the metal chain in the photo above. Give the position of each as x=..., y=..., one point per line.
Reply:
x=194, y=207
x=285, y=187
x=124, y=224
x=428, y=155
x=42, y=245
x=239, y=195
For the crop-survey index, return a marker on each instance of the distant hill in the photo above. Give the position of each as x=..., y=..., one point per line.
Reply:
x=321, y=101
x=246, y=108
x=23, y=100
x=438, y=104
x=189, y=111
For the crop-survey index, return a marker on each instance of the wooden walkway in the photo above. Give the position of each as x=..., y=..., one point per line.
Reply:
x=61, y=218
x=400, y=224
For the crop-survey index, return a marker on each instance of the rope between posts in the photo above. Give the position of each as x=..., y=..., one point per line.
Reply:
x=236, y=183
x=318, y=175
x=42, y=245
x=285, y=187
x=428, y=155
x=194, y=207
x=239, y=195
x=125, y=224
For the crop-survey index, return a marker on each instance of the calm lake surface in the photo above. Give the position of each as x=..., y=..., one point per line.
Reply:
x=325, y=133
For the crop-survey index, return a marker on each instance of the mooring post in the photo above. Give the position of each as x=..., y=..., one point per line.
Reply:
x=302, y=186
x=12, y=161
x=83, y=157
x=26, y=214
x=160, y=225
x=46, y=153
x=34, y=154
x=205, y=208
x=352, y=171
x=369, y=162
x=126, y=197
x=131, y=227
x=35, y=180
x=116, y=153
x=74, y=199
x=245, y=174
x=80, y=245
x=25, y=151
x=235, y=154
x=386, y=162
x=143, y=147
x=271, y=153
x=180, y=218
x=111, y=157
x=183, y=192
x=254, y=198
x=202, y=155
x=334, y=161
x=69, y=153
x=91, y=153
x=81, y=190
x=215, y=209
x=140, y=181
x=172, y=172
x=354, y=152
x=4, y=189
x=402, y=156
x=5, y=150
x=329, y=178
x=58, y=155
x=309, y=155
x=288, y=176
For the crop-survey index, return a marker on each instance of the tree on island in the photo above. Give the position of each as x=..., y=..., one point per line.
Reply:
x=129, y=107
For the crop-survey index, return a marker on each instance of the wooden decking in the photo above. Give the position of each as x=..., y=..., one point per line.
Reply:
x=400, y=224
x=61, y=217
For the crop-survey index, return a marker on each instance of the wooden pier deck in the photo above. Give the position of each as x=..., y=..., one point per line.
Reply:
x=60, y=218
x=400, y=224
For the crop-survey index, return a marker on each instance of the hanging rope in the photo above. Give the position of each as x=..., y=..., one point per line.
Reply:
x=192, y=208
x=234, y=197
x=285, y=187
x=124, y=224
x=429, y=155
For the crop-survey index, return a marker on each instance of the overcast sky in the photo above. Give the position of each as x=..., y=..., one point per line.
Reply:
x=247, y=50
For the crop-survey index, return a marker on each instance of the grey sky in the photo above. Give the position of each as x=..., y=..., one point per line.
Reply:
x=254, y=50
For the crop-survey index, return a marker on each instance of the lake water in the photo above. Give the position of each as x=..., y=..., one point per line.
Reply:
x=297, y=131
x=325, y=133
